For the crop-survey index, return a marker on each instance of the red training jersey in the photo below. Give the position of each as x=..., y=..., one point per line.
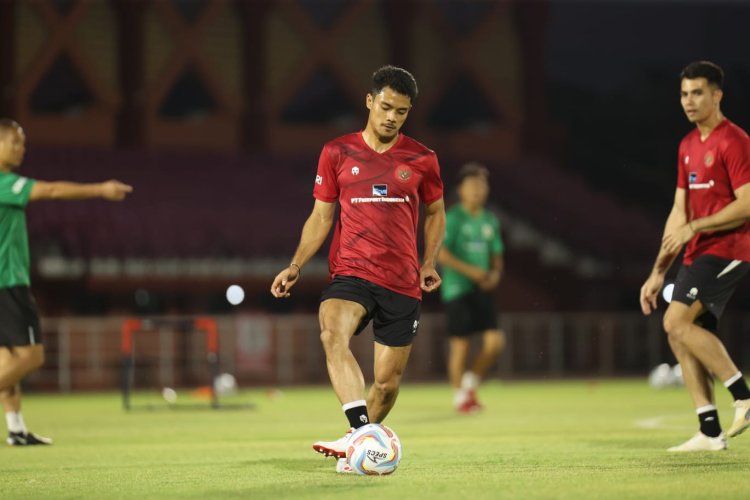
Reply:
x=710, y=171
x=379, y=195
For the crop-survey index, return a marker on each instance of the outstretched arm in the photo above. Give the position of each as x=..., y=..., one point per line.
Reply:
x=62, y=190
x=434, y=231
x=667, y=253
x=314, y=233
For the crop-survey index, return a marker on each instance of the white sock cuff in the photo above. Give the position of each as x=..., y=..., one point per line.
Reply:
x=470, y=380
x=704, y=409
x=353, y=404
x=731, y=380
x=15, y=422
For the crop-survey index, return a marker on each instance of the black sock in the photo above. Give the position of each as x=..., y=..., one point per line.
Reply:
x=357, y=416
x=739, y=389
x=710, y=423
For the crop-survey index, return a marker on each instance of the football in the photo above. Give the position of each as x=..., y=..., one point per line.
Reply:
x=663, y=376
x=374, y=449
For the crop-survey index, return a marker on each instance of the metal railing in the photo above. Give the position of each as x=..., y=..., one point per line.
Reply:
x=83, y=353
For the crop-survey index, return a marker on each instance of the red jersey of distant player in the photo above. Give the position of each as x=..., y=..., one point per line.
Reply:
x=379, y=196
x=710, y=171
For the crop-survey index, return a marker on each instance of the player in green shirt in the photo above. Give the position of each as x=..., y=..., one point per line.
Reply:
x=472, y=260
x=21, y=349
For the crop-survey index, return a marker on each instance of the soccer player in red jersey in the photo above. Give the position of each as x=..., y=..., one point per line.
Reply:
x=710, y=214
x=379, y=177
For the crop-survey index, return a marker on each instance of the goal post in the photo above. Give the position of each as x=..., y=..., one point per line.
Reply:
x=133, y=328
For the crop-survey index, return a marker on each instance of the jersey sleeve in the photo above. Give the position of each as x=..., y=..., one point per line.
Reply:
x=497, y=241
x=15, y=190
x=737, y=160
x=326, y=186
x=681, y=176
x=431, y=188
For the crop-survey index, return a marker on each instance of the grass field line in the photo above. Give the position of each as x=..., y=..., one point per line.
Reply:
x=659, y=422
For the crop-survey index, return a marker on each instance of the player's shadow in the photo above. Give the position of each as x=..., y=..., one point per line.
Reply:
x=324, y=470
x=304, y=465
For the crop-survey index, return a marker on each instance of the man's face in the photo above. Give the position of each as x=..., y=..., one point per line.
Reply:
x=474, y=190
x=388, y=112
x=699, y=99
x=12, y=147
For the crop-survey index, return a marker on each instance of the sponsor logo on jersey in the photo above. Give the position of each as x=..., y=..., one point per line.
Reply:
x=319, y=180
x=380, y=189
x=702, y=185
x=403, y=173
x=487, y=231
x=692, y=177
x=355, y=170
x=708, y=160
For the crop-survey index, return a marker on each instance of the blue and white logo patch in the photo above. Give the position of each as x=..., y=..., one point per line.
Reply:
x=380, y=189
x=692, y=177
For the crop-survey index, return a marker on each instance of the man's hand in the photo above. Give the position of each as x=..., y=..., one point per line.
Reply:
x=673, y=240
x=490, y=281
x=285, y=280
x=429, y=279
x=650, y=292
x=115, y=190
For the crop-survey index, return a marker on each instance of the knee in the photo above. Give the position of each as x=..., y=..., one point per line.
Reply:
x=494, y=341
x=38, y=359
x=675, y=326
x=332, y=341
x=386, y=390
x=31, y=357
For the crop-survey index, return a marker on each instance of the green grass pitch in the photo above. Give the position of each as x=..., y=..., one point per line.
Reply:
x=543, y=439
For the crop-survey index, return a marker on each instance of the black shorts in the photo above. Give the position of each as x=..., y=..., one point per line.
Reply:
x=712, y=281
x=19, y=318
x=395, y=317
x=471, y=313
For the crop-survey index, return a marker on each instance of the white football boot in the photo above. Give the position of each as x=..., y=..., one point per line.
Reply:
x=334, y=448
x=741, y=418
x=701, y=442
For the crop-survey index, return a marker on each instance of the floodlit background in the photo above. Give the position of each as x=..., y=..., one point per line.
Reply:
x=216, y=111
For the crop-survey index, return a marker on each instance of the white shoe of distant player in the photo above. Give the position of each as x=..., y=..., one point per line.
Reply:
x=741, y=418
x=334, y=448
x=701, y=442
x=342, y=467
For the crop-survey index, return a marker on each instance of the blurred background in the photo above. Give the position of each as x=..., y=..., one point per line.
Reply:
x=216, y=111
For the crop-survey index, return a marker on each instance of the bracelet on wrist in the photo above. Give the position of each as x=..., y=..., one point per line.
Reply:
x=299, y=269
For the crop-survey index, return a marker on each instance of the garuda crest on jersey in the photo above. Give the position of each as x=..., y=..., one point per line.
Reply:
x=403, y=173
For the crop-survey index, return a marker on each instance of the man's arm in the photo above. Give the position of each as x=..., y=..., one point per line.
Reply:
x=731, y=216
x=494, y=274
x=434, y=231
x=474, y=273
x=62, y=190
x=314, y=233
x=676, y=219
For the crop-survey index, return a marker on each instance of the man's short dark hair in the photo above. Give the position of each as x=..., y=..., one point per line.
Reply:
x=472, y=169
x=396, y=78
x=704, y=69
x=6, y=125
